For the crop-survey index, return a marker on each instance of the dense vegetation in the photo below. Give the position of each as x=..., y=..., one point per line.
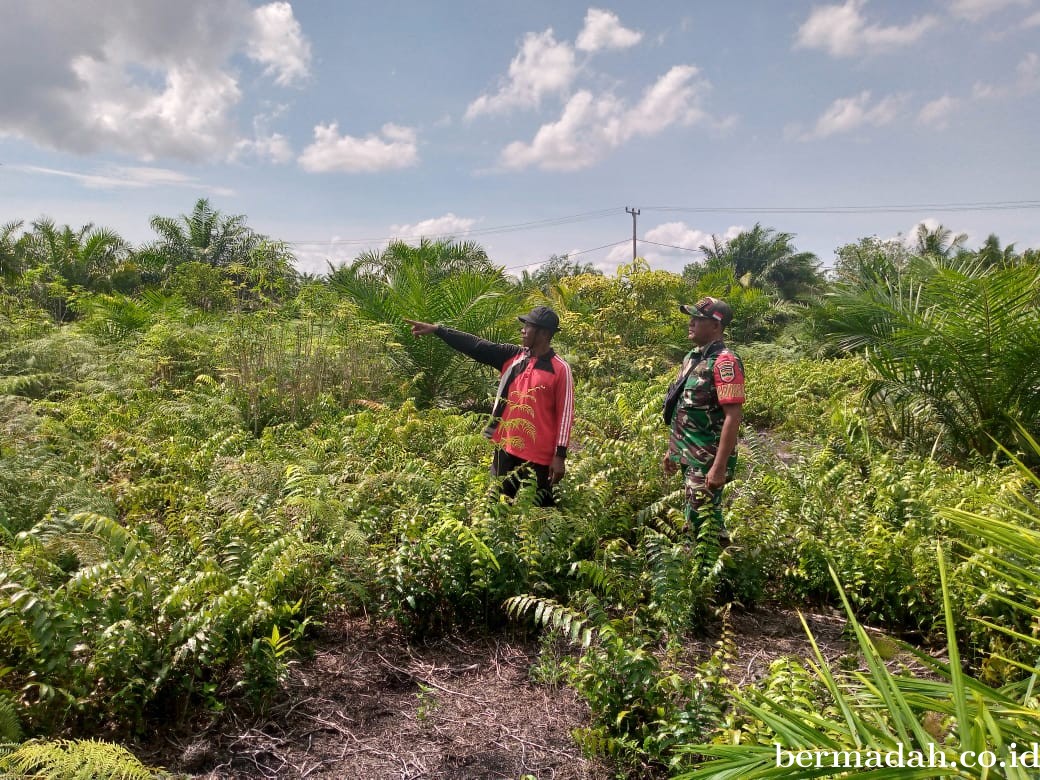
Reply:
x=203, y=453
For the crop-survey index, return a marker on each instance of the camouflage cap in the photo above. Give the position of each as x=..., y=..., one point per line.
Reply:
x=709, y=308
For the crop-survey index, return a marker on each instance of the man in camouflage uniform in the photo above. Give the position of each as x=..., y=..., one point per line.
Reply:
x=704, y=425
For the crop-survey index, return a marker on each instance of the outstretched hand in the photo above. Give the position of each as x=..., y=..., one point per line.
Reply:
x=421, y=328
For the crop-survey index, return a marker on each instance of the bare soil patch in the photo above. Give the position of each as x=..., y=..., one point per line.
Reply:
x=369, y=704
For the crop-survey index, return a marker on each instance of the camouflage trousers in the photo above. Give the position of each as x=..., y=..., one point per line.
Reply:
x=704, y=523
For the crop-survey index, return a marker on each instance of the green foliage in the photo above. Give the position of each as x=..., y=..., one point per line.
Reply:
x=205, y=236
x=90, y=258
x=796, y=396
x=869, y=512
x=440, y=282
x=1001, y=548
x=550, y=273
x=12, y=251
x=875, y=711
x=76, y=760
x=955, y=347
x=762, y=258
x=622, y=326
x=10, y=724
x=290, y=371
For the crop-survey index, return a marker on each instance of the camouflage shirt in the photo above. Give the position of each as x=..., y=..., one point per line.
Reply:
x=716, y=379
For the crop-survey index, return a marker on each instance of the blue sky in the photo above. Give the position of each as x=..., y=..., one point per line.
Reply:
x=528, y=127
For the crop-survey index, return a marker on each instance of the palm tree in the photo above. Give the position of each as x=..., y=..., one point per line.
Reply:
x=205, y=236
x=439, y=257
x=12, y=251
x=956, y=349
x=938, y=242
x=551, y=272
x=88, y=257
x=761, y=257
x=437, y=281
x=266, y=273
x=991, y=255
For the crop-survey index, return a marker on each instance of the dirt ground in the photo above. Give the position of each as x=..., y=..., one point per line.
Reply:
x=369, y=704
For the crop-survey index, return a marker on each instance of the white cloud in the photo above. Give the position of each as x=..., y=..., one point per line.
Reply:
x=1027, y=80
x=576, y=141
x=591, y=126
x=150, y=80
x=120, y=177
x=622, y=253
x=265, y=145
x=847, y=114
x=543, y=67
x=679, y=239
x=449, y=224
x=395, y=148
x=936, y=113
x=278, y=42
x=1028, y=71
x=974, y=10
x=842, y=31
x=273, y=148
x=603, y=30
x=187, y=118
x=1032, y=20
x=677, y=234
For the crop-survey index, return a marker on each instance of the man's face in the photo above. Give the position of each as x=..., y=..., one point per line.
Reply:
x=528, y=335
x=703, y=330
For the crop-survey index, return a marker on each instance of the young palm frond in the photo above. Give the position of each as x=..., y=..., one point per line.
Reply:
x=954, y=344
x=873, y=714
x=415, y=287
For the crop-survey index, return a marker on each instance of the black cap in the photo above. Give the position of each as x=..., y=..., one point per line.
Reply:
x=542, y=317
x=710, y=309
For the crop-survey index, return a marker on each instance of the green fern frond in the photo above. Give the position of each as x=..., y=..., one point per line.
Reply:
x=76, y=760
x=481, y=555
x=551, y=613
x=10, y=725
x=600, y=578
x=518, y=423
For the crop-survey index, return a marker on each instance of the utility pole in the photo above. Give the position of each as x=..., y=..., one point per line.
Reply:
x=635, y=213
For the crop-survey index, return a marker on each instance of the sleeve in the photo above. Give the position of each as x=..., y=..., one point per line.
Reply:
x=729, y=379
x=487, y=352
x=564, y=408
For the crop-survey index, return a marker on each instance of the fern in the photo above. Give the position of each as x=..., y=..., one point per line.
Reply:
x=10, y=725
x=552, y=614
x=76, y=760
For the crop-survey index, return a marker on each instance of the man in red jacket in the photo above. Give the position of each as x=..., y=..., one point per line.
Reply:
x=534, y=406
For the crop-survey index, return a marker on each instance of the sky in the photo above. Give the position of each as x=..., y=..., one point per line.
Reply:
x=529, y=127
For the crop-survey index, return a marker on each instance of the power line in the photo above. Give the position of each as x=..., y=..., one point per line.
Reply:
x=673, y=246
x=530, y=225
x=1004, y=205
x=568, y=255
x=982, y=206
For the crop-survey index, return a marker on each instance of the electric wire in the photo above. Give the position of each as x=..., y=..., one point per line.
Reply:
x=570, y=219
x=512, y=228
x=1003, y=205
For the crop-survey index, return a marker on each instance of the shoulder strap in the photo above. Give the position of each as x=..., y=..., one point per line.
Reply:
x=502, y=394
